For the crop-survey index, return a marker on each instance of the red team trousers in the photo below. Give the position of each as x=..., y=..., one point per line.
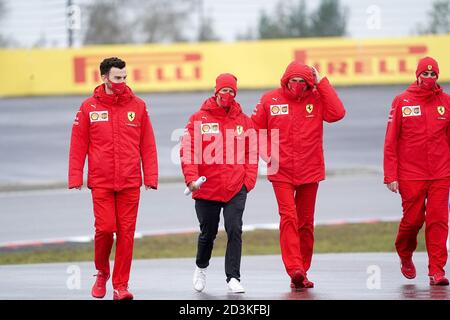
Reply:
x=115, y=212
x=424, y=201
x=296, y=208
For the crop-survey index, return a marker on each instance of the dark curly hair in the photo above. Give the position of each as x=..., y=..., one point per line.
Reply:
x=109, y=63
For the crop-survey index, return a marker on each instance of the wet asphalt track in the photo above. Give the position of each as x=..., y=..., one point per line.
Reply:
x=359, y=276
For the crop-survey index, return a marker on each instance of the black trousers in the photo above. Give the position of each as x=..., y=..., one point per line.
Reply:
x=208, y=214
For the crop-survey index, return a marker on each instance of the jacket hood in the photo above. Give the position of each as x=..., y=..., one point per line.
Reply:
x=298, y=69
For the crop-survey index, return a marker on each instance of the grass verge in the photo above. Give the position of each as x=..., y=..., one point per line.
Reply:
x=358, y=237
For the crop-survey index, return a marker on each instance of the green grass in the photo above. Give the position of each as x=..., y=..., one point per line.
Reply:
x=367, y=237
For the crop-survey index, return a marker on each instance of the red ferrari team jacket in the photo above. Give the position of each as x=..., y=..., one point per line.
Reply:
x=116, y=134
x=418, y=136
x=227, y=160
x=300, y=124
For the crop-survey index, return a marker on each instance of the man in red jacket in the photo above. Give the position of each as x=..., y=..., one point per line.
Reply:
x=296, y=112
x=220, y=144
x=113, y=129
x=417, y=164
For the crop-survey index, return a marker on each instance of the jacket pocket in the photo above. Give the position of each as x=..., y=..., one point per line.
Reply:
x=235, y=179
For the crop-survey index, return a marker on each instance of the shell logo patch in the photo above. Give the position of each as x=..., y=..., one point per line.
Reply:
x=279, y=109
x=239, y=129
x=441, y=110
x=411, y=111
x=210, y=128
x=274, y=110
x=309, y=108
x=430, y=67
x=96, y=116
x=131, y=115
x=406, y=111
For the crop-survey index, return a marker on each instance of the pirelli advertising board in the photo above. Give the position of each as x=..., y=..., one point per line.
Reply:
x=188, y=67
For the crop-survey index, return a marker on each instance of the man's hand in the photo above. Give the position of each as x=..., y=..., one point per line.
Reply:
x=393, y=186
x=148, y=187
x=77, y=187
x=316, y=75
x=193, y=187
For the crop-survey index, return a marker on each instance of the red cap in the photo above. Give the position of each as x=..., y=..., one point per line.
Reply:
x=226, y=80
x=427, y=64
x=298, y=69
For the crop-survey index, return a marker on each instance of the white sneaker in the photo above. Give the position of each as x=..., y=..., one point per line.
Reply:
x=199, y=280
x=235, y=286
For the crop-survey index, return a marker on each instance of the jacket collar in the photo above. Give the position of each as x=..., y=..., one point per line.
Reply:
x=111, y=99
x=211, y=106
x=424, y=94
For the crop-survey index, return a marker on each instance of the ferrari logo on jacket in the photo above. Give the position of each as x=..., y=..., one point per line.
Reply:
x=411, y=111
x=95, y=116
x=131, y=115
x=210, y=128
x=309, y=108
x=279, y=109
x=239, y=129
x=441, y=110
